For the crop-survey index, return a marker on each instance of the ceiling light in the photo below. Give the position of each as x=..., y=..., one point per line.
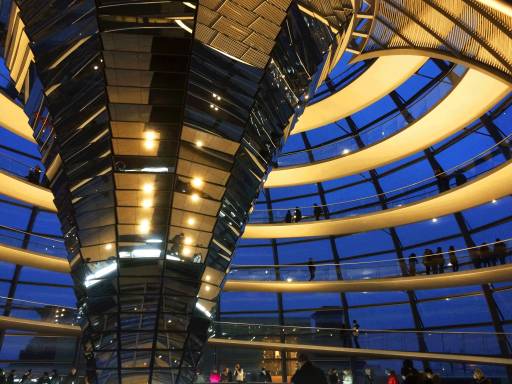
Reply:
x=150, y=135
x=494, y=201
x=194, y=197
x=289, y=279
x=148, y=187
x=197, y=182
x=154, y=241
x=434, y=220
x=147, y=203
x=146, y=252
x=108, y=247
x=188, y=240
x=207, y=278
x=149, y=144
x=187, y=251
x=191, y=221
x=144, y=226
x=199, y=143
x=345, y=151
x=96, y=67
x=207, y=288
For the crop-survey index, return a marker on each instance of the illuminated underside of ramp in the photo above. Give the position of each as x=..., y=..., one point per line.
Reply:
x=370, y=86
x=445, y=280
x=492, y=185
x=462, y=106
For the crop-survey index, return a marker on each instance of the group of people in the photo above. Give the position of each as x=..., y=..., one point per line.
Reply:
x=295, y=216
x=308, y=373
x=46, y=378
x=482, y=256
x=236, y=376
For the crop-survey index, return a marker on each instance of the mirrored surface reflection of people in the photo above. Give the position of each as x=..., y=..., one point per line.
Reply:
x=27, y=377
x=3, y=377
x=312, y=269
x=500, y=251
x=72, y=377
x=307, y=373
x=453, y=258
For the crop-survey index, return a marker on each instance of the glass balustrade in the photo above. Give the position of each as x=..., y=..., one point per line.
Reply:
x=466, y=343
x=377, y=131
x=33, y=310
x=464, y=259
x=37, y=243
x=422, y=189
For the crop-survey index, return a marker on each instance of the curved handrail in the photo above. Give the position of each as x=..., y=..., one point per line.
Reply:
x=308, y=212
x=362, y=263
x=388, y=126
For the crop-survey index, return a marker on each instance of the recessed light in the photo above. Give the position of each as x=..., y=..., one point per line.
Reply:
x=191, y=221
x=199, y=143
x=197, y=182
x=194, y=197
x=148, y=187
x=147, y=203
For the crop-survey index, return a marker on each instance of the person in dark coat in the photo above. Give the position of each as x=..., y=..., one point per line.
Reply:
x=427, y=260
x=409, y=374
x=317, y=211
x=3, y=377
x=44, y=379
x=298, y=214
x=485, y=255
x=312, y=269
x=264, y=376
x=355, y=333
x=288, y=217
x=10, y=377
x=27, y=377
x=453, y=258
x=72, y=377
x=440, y=260
x=500, y=251
x=307, y=372
x=412, y=264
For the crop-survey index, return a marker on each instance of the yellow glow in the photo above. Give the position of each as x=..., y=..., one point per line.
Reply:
x=150, y=135
x=191, y=221
x=148, y=187
x=197, y=182
x=147, y=203
x=144, y=226
x=187, y=251
x=207, y=288
x=108, y=247
x=188, y=240
x=207, y=278
x=199, y=143
x=194, y=197
x=149, y=144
